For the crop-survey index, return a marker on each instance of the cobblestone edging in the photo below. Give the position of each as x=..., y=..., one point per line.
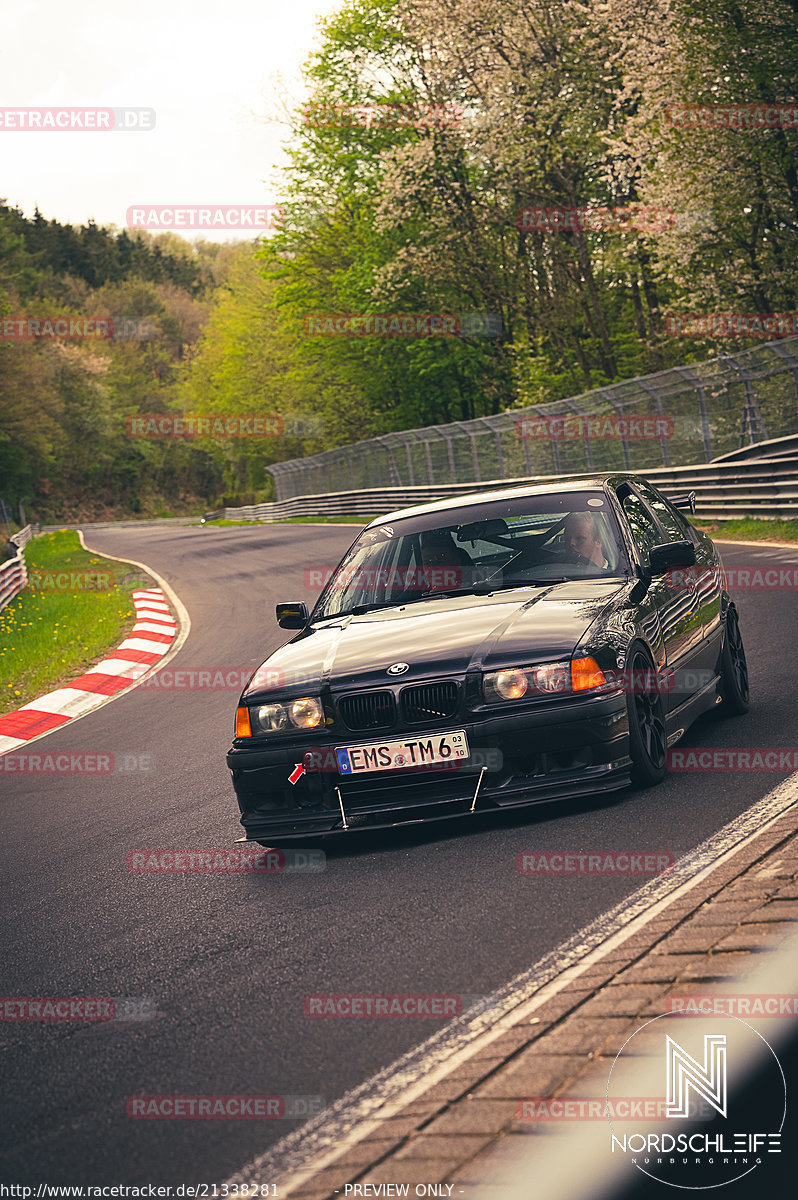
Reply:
x=451, y=1133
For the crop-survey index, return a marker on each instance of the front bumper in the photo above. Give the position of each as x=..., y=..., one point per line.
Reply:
x=559, y=749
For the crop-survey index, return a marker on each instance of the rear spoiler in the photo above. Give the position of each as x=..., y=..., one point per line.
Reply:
x=684, y=500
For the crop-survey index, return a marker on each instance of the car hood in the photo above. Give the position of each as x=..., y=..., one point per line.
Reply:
x=436, y=637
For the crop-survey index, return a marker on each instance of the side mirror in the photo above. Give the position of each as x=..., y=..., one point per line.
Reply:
x=292, y=616
x=684, y=500
x=670, y=555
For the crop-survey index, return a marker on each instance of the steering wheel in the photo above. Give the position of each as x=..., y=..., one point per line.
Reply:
x=578, y=560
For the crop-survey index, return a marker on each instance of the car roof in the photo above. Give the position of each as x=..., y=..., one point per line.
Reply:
x=583, y=483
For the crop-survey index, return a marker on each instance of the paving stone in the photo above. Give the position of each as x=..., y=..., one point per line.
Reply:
x=558, y=1006
x=405, y=1122
x=776, y=909
x=688, y=939
x=619, y=1001
x=725, y=912
x=512, y=1040
x=531, y=1073
x=474, y=1116
x=580, y=1035
x=461, y=1146
x=725, y=965
x=443, y=1093
x=747, y=888
x=325, y=1182
x=490, y=1163
x=658, y=968
x=755, y=936
x=365, y=1155
x=409, y=1171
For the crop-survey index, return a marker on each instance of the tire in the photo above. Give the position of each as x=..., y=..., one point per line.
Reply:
x=647, y=737
x=734, y=691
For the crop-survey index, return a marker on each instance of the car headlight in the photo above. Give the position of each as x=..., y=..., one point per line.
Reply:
x=306, y=713
x=303, y=713
x=515, y=683
x=510, y=685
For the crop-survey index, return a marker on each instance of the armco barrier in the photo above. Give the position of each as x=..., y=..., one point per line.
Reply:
x=765, y=486
x=13, y=572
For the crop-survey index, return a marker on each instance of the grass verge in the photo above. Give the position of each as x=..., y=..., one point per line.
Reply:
x=750, y=529
x=76, y=607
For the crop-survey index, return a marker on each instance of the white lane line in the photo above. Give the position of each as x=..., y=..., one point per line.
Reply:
x=361, y=1111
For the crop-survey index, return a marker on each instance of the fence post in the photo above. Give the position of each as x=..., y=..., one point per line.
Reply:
x=663, y=445
x=751, y=416
x=783, y=352
x=687, y=374
x=591, y=462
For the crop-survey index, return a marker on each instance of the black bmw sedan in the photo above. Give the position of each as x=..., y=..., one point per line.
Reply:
x=488, y=651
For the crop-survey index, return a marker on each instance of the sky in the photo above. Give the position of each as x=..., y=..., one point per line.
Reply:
x=218, y=75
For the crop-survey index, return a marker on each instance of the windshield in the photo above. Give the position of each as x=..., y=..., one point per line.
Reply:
x=477, y=548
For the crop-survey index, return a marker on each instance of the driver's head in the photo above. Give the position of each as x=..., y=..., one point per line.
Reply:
x=438, y=548
x=582, y=536
x=442, y=559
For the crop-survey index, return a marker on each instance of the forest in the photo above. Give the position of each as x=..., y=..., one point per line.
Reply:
x=549, y=189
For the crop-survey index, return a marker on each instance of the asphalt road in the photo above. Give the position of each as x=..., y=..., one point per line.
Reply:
x=228, y=959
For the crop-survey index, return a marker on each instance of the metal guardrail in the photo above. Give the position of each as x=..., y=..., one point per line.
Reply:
x=695, y=413
x=753, y=487
x=13, y=572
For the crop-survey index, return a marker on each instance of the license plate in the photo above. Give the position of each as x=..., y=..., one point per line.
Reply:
x=403, y=755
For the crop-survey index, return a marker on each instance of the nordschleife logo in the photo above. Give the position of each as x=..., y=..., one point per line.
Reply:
x=710, y=1100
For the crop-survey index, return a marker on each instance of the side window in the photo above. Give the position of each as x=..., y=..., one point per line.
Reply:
x=671, y=521
x=643, y=526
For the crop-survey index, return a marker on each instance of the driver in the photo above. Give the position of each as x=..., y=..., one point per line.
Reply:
x=443, y=560
x=581, y=535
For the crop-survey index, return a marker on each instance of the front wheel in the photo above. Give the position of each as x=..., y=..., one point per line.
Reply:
x=735, y=695
x=647, y=739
